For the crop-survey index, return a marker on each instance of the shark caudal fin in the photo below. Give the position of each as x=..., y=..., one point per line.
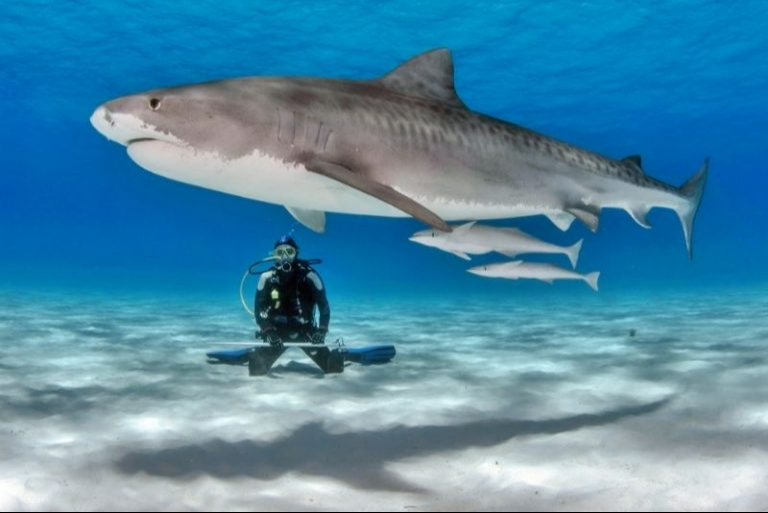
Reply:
x=573, y=253
x=591, y=280
x=692, y=190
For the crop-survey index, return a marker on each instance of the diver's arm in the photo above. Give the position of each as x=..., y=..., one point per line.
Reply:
x=321, y=299
x=261, y=306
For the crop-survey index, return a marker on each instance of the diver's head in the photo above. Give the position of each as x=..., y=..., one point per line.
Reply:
x=286, y=251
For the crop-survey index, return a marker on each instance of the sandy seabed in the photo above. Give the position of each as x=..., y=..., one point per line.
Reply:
x=109, y=405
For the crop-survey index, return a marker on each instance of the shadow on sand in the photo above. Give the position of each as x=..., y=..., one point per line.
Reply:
x=357, y=458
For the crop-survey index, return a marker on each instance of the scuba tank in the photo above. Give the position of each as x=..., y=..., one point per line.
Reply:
x=253, y=270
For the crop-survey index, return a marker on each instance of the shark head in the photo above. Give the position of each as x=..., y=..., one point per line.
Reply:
x=480, y=270
x=200, y=118
x=431, y=238
x=501, y=270
x=440, y=239
x=143, y=117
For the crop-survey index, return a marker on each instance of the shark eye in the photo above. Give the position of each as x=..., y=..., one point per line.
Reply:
x=433, y=234
x=154, y=104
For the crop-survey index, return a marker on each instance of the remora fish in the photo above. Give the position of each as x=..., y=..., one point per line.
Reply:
x=545, y=272
x=477, y=239
x=402, y=144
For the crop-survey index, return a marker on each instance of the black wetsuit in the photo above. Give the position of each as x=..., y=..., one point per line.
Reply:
x=285, y=302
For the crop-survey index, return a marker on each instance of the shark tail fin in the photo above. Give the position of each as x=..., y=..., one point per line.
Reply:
x=692, y=190
x=591, y=280
x=573, y=253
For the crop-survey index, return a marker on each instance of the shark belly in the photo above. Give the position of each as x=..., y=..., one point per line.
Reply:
x=261, y=177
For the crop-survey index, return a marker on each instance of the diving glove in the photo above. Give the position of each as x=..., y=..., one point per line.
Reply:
x=318, y=337
x=270, y=336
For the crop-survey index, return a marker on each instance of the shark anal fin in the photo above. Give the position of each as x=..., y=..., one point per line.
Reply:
x=312, y=219
x=640, y=215
x=590, y=217
x=379, y=191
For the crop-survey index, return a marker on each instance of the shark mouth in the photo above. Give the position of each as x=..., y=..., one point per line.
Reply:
x=142, y=139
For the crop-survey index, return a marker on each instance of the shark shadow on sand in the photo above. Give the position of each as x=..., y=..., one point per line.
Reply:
x=358, y=459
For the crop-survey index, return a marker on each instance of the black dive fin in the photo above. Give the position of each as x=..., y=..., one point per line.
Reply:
x=379, y=191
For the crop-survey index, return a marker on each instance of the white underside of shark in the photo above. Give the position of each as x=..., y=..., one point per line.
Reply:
x=263, y=178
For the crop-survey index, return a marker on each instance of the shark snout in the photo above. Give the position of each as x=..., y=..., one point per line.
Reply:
x=102, y=121
x=116, y=126
x=123, y=121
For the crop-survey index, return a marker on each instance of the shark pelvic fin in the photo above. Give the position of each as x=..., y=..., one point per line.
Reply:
x=312, y=219
x=379, y=191
x=563, y=220
x=428, y=76
x=588, y=215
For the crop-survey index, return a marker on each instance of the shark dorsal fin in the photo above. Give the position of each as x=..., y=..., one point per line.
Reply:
x=428, y=75
x=634, y=159
x=464, y=228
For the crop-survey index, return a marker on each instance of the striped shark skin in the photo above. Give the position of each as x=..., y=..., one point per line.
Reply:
x=403, y=144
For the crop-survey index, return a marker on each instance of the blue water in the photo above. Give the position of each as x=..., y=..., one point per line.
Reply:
x=114, y=281
x=675, y=84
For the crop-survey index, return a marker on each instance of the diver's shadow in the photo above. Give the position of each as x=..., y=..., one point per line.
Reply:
x=359, y=458
x=294, y=367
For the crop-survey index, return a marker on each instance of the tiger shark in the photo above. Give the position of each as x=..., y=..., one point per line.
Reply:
x=403, y=144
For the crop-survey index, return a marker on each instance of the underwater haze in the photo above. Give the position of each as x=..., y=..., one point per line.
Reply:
x=504, y=395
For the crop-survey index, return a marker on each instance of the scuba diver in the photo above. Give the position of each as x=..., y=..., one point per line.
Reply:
x=286, y=298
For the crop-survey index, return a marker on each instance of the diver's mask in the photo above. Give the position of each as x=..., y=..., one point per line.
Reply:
x=285, y=256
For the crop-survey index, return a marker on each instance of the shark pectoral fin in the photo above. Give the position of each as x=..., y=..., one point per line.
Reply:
x=461, y=254
x=312, y=219
x=379, y=191
x=587, y=215
x=563, y=220
x=640, y=215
